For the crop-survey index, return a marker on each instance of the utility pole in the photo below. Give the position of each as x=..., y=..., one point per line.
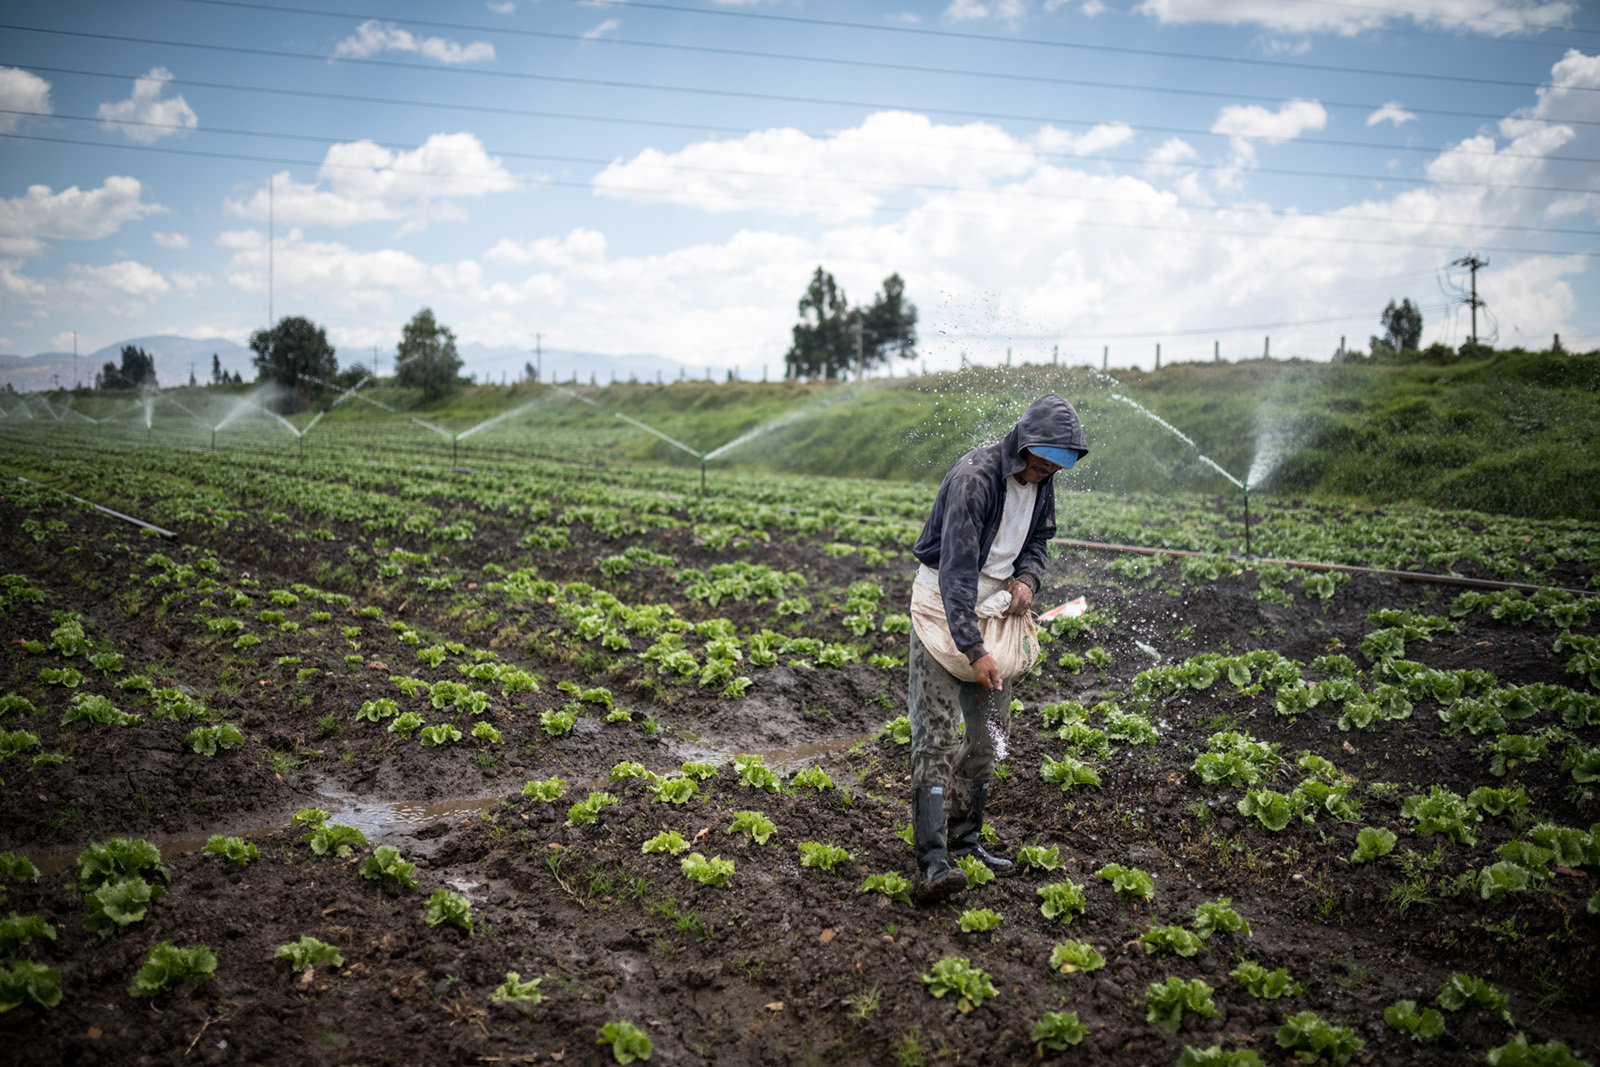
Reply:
x=374, y=361
x=270, y=213
x=1158, y=356
x=1472, y=263
x=74, y=359
x=538, y=356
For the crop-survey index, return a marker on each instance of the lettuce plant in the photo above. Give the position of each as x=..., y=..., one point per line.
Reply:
x=1372, y=842
x=627, y=1041
x=1403, y=1016
x=977, y=872
x=1070, y=956
x=545, y=789
x=979, y=920
x=1040, y=858
x=91, y=707
x=1271, y=809
x=1262, y=983
x=308, y=951
x=956, y=975
x=1441, y=812
x=556, y=723
x=824, y=857
x=117, y=857
x=406, y=724
x=698, y=771
x=1170, y=941
x=378, y=710
x=753, y=825
x=1217, y=1056
x=1069, y=773
x=753, y=772
x=891, y=884
x=898, y=730
x=487, y=734
x=630, y=769
x=813, y=778
x=385, y=862
x=1462, y=991
x=448, y=906
x=669, y=841
x=325, y=837
x=1058, y=1031
x=716, y=872
x=587, y=811
x=516, y=992
x=1128, y=882
x=18, y=743
x=675, y=790
x=167, y=966
x=207, y=739
x=443, y=734
x=19, y=930
x=1218, y=916
x=233, y=849
x=1518, y=1053
x=25, y=982
x=1166, y=1002
x=1311, y=1038
x=1062, y=900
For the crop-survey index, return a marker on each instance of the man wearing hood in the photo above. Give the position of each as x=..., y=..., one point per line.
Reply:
x=986, y=536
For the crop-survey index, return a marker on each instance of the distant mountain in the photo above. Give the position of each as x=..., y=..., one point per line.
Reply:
x=173, y=355
x=490, y=365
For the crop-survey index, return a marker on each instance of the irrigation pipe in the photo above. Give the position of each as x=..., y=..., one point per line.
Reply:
x=108, y=511
x=1347, y=568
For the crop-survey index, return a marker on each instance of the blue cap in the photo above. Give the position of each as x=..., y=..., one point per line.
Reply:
x=1061, y=457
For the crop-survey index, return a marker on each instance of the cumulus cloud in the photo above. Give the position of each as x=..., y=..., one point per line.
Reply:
x=608, y=26
x=147, y=116
x=75, y=214
x=971, y=10
x=176, y=242
x=374, y=36
x=123, y=289
x=504, y=7
x=845, y=175
x=349, y=279
x=579, y=246
x=21, y=90
x=1490, y=18
x=1391, y=112
x=1252, y=122
x=1099, y=138
x=360, y=181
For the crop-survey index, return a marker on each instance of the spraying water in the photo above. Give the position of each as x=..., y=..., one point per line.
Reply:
x=502, y=417
x=779, y=423
x=1179, y=434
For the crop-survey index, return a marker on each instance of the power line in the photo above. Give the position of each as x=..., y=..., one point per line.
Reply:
x=864, y=64
x=943, y=212
x=783, y=98
x=709, y=128
x=1459, y=19
x=1151, y=53
x=925, y=187
x=1199, y=331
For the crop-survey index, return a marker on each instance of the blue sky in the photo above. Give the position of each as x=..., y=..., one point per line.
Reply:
x=1046, y=175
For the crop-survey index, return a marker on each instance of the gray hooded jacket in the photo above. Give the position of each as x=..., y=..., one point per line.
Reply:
x=961, y=529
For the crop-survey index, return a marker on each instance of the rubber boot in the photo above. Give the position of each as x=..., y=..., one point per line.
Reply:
x=936, y=878
x=965, y=834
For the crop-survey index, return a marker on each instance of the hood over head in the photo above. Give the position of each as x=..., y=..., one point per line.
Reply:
x=1049, y=422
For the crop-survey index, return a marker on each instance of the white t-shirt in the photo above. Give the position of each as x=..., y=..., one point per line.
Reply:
x=1015, y=519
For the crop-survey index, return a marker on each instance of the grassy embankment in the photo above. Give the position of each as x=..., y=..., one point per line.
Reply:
x=1510, y=433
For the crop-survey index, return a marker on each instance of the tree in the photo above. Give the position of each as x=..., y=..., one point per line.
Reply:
x=138, y=368
x=1402, y=327
x=427, y=358
x=827, y=337
x=290, y=354
x=217, y=375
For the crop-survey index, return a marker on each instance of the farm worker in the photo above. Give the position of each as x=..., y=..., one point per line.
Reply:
x=982, y=555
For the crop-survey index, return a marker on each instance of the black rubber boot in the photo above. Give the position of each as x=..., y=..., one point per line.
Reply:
x=936, y=878
x=964, y=834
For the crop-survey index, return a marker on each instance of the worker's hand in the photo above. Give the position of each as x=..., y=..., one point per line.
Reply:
x=1021, y=598
x=987, y=673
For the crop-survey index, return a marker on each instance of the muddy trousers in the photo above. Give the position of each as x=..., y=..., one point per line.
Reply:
x=941, y=753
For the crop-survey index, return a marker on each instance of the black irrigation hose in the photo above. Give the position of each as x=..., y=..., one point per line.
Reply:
x=108, y=511
x=1408, y=576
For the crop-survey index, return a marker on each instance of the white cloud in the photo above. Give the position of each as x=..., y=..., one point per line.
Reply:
x=608, y=26
x=579, y=246
x=972, y=10
x=1092, y=7
x=360, y=181
x=123, y=289
x=1253, y=122
x=351, y=280
x=21, y=90
x=505, y=7
x=74, y=214
x=176, y=242
x=1096, y=139
x=146, y=116
x=1391, y=112
x=1490, y=18
x=373, y=36
x=846, y=175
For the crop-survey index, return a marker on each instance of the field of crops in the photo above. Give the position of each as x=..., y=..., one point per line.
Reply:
x=545, y=756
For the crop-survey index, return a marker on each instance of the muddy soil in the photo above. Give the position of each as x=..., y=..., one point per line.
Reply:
x=786, y=963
